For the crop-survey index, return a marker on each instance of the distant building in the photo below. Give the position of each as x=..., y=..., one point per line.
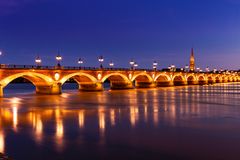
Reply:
x=192, y=61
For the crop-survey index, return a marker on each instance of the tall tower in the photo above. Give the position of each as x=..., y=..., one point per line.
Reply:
x=192, y=61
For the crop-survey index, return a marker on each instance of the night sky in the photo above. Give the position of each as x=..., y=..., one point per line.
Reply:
x=145, y=30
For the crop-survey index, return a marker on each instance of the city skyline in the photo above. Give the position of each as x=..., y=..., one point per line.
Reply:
x=157, y=31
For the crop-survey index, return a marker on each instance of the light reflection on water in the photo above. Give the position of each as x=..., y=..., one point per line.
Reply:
x=145, y=124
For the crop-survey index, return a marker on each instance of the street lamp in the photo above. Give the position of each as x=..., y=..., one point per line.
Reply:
x=135, y=65
x=207, y=69
x=214, y=70
x=80, y=62
x=58, y=58
x=0, y=55
x=132, y=63
x=173, y=68
x=198, y=69
x=38, y=61
x=100, y=59
x=111, y=64
x=155, y=65
x=186, y=68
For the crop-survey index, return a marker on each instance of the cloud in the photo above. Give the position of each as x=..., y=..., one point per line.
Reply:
x=11, y=6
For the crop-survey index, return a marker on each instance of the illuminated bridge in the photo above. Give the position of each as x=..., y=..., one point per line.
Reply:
x=49, y=80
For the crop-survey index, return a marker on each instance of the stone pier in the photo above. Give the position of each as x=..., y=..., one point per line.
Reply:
x=121, y=85
x=180, y=83
x=145, y=84
x=164, y=84
x=49, y=89
x=98, y=86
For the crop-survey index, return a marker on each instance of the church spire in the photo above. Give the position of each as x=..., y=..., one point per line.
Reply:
x=192, y=61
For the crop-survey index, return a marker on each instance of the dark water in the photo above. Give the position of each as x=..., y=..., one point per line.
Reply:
x=195, y=122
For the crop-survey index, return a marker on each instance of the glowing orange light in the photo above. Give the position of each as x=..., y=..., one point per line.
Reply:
x=112, y=117
x=56, y=76
x=59, y=129
x=99, y=76
x=130, y=76
x=39, y=127
x=2, y=142
x=81, y=118
x=101, y=121
x=15, y=117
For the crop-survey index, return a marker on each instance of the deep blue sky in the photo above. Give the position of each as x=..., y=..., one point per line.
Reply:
x=146, y=30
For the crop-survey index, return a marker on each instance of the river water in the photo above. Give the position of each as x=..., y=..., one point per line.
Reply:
x=191, y=122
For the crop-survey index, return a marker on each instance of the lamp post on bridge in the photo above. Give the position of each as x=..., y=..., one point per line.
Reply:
x=111, y=64
x=100, y=59
x=155, y=65
x=80, y=62
x=221, y=70
x=172, y=68
x=38, y=61
x=58, y=58
x=186, y=68
x=1, y=55
x=132, y=64
x=207, y=69
x=214, y=70
x=135, y=65
x=198, y=69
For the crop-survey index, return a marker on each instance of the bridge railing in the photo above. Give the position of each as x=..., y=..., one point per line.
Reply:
x=13, y=66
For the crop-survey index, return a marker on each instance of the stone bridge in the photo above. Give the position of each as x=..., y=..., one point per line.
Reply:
x=50, y=80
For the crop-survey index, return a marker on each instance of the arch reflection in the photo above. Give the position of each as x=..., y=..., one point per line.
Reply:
x=39, y=128
x=155, y=107
x=101, y=121
x=112, y=117
x=2, y=142
x=15, y=117
x=133, y=109
x=81, y=118
x=59, y=129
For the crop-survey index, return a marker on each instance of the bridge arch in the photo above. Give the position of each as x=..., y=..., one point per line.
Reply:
x=86, y=82
x=162, y=77
x=225, y=78
x=43, y=83
x=234, y=78
x=162, y=80
x=115, y=77
x=230, y=79
x=79, y=77
x=34, y=78
x=179, y=80
x=191, y=79
x=218, y=79
x=118, y=81
x=210, y=79
x=201, y=77
x=202, y=80
x=143, y=77
x=143, y=80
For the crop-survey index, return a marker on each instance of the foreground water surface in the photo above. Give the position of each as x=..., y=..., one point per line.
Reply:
x=192, y=122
